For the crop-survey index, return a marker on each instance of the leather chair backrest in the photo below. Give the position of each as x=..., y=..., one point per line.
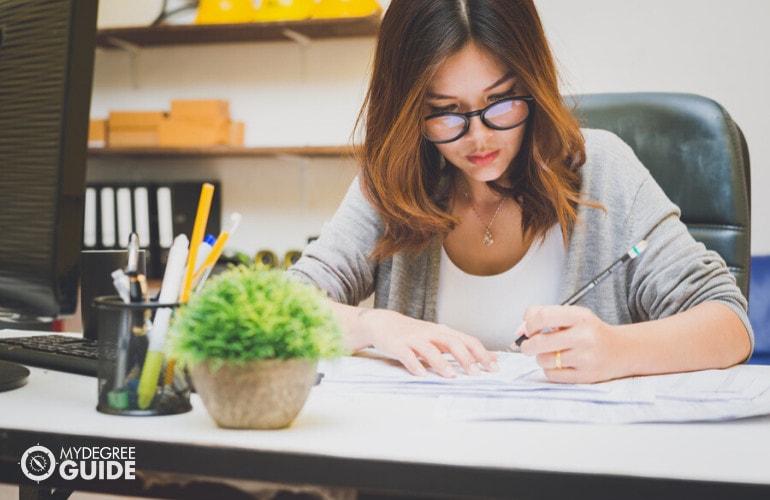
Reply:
x=696, y=153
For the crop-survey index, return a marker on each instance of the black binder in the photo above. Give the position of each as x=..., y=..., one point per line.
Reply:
x=115, y=209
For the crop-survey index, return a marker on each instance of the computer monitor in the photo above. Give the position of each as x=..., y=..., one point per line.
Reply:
x=46, y=74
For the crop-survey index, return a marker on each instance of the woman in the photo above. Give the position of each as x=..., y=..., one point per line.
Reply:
x=480, y=202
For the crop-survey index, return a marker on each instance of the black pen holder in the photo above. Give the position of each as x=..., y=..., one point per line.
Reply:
x=136, y=377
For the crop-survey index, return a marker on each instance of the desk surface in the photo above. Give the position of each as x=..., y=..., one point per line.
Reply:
x=397, y=443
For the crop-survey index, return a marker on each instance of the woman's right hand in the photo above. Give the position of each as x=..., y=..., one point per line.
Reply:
x=415, y=343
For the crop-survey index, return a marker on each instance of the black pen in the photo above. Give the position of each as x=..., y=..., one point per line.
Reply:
x=137, y=291
x=130, y=326
x=137, y=282
x=631, y=254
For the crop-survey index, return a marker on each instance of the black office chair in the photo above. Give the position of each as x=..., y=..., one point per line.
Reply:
x=697, y=154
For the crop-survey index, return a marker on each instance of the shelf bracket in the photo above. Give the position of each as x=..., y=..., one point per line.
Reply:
x=293, y=158
x=133, y=51
x=304, y=44
x=302, y=40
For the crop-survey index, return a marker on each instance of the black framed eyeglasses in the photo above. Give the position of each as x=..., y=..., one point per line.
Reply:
x=505, y=114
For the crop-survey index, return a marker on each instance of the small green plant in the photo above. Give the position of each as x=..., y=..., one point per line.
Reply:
x=248, y=313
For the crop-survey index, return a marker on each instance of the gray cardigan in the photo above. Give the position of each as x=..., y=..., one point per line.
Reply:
x=673, y=274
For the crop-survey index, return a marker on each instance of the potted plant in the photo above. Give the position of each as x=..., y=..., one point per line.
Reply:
x=252, y=338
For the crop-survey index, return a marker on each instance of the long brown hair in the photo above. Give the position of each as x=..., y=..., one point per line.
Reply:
x=401, y=172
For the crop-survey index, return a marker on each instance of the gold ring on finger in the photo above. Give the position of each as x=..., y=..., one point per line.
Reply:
x=558, y=360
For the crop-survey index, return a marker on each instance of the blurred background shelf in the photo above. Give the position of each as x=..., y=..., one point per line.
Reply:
x=188, y=34
x=220, y=152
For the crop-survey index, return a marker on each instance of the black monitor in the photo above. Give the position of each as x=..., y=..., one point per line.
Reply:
x=46, y=74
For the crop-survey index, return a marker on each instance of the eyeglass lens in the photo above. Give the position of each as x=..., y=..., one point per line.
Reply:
x=501, y=115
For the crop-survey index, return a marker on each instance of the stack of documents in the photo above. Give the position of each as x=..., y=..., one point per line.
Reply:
x=520, y=391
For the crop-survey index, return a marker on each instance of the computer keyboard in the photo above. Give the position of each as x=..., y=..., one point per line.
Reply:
x=52, y=351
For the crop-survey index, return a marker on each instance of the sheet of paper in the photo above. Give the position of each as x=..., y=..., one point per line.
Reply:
x=590, y=412
x=520, y=391
x=519, y=376
x=739, y=382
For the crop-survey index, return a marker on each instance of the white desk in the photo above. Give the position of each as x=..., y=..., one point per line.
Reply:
x=393, y=444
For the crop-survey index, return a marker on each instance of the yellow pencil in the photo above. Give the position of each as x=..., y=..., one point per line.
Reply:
x=199, y=229
x=216, y=250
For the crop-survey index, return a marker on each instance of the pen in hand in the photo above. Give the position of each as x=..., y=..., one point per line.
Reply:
x=631, y=254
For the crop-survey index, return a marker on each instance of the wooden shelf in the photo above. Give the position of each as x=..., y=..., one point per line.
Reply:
x=187, y=34
x=221, y=152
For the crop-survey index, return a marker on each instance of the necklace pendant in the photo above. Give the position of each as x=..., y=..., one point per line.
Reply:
x=488, y=237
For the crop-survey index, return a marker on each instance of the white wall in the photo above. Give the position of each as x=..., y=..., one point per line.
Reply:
x=289, y=95
x=714, y=48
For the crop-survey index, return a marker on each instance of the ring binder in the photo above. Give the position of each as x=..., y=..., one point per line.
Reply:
x=157, y=212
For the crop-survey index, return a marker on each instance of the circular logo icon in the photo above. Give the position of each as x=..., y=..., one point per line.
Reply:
x=38, y=463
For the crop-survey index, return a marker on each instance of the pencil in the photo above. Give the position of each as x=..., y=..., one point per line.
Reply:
x=200, y=276
x=631, y=254
x=199, y=228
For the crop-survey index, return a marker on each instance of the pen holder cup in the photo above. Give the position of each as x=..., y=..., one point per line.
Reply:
x=135, y=376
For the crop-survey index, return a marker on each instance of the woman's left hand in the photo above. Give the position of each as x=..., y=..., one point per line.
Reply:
x=571, y=344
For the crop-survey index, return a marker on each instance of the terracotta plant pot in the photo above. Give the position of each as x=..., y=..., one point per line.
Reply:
x=261, y=394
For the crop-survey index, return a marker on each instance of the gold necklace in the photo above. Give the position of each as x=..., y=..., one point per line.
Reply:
x=488, y=240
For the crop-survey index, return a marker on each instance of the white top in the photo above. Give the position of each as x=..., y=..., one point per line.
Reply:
x=491, y=307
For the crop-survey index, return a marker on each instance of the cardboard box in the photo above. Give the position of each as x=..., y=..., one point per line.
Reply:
x=236, y=134
x=135, y=119
x=185, y=133
x=200, y=109
x=97, y=133
x=134, y=128
x=132, y=137
x=190, y=123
